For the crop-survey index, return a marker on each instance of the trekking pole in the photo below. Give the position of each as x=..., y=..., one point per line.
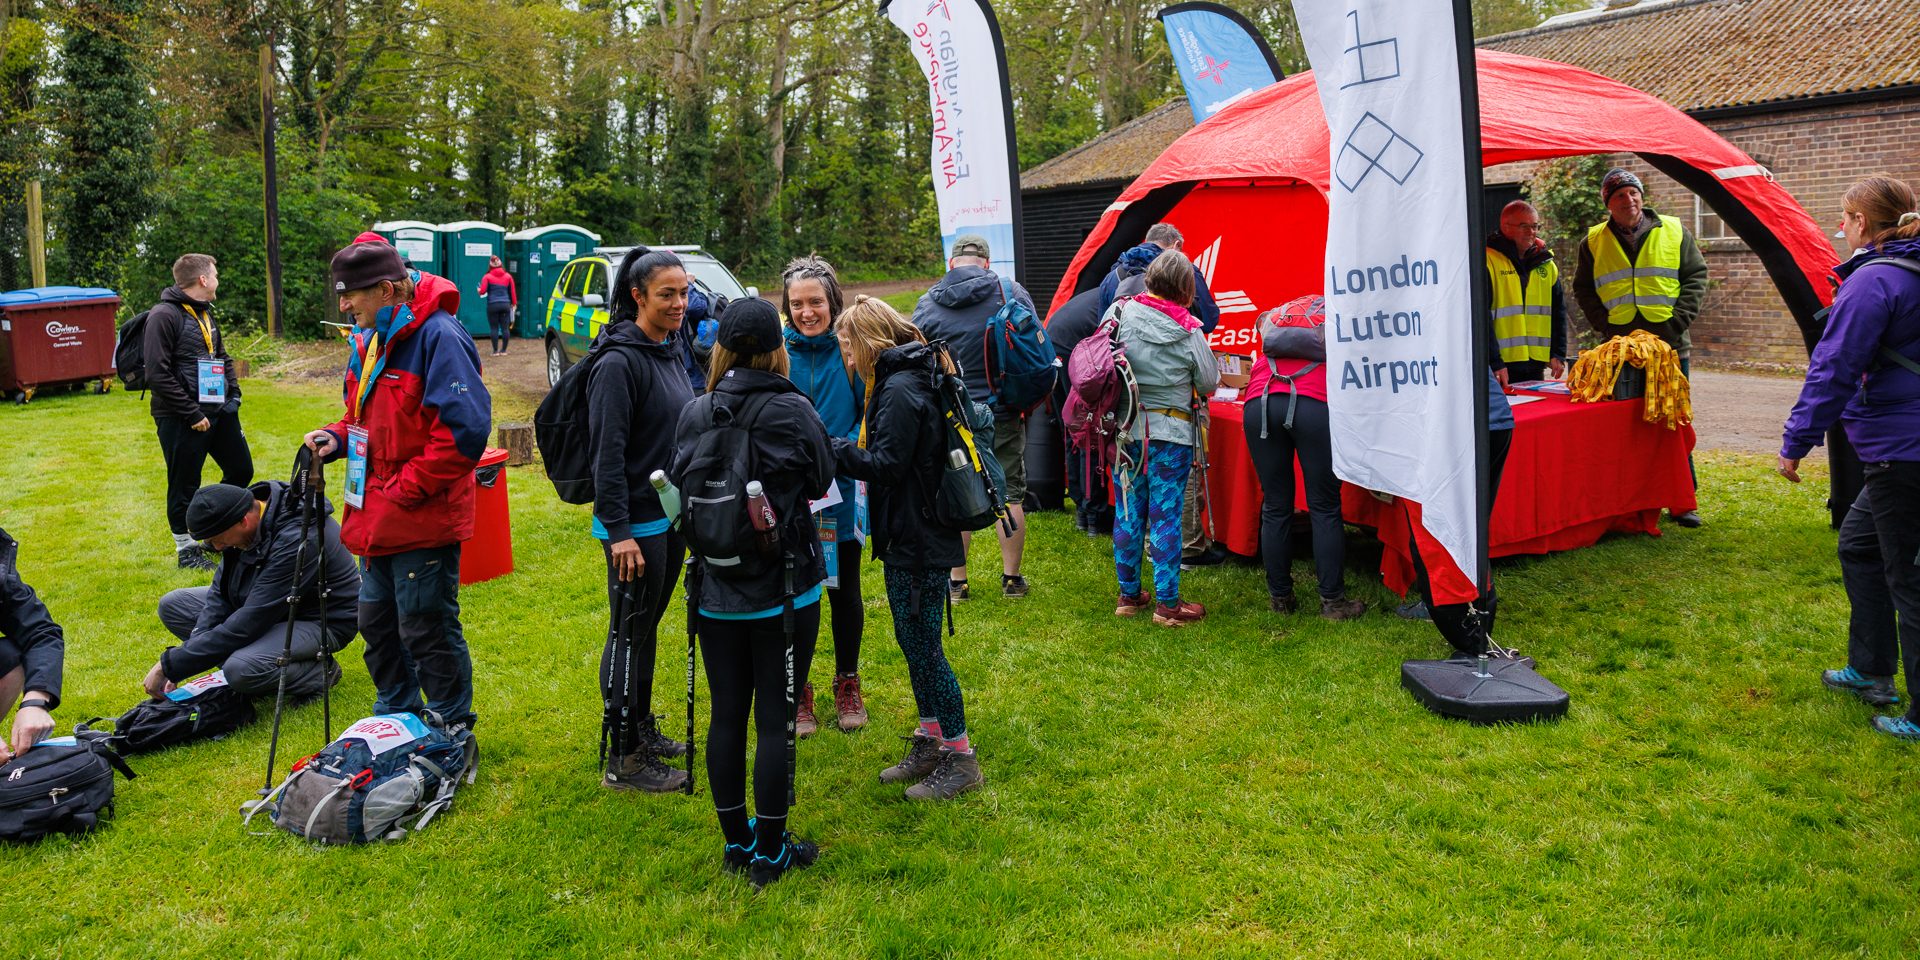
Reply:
x=1200, y=447
x=793, y=702
x=303, y=467
x=693, y=615
x=317, y=485
x=612, y=741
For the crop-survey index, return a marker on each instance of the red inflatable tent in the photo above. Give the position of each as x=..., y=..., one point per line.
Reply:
x=1248, y=187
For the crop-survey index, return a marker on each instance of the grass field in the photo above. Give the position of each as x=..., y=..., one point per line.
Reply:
x=1254, y=786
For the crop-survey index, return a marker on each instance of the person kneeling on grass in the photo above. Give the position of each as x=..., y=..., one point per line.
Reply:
x=239, y=623
x=902, y=451
x=32, y=649
x=758, y=613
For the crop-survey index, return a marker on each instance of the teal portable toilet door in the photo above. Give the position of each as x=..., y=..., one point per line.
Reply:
x=540, y=254
x=467, y=246
x=417, y=241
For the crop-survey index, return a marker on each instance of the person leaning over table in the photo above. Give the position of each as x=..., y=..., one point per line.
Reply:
x=1641, y=270
x=1865, y=373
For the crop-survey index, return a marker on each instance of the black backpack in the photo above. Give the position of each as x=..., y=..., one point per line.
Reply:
x=130, y=353
x=713, y=491
x=967, y=496
x=63, y=785
x=560, y=429
x=185, y=716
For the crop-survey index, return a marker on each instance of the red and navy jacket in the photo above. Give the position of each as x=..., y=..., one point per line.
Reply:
x=427, y=423
x=497, y=286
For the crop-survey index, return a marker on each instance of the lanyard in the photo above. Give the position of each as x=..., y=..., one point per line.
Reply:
x=375, y=346
x=206, y=327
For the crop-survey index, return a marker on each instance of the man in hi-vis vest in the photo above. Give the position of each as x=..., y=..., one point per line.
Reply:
x=1529, y=314
x=1640, y=270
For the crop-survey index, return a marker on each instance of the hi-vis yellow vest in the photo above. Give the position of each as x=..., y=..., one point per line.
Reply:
x=1649, y=287
x=1522, y=318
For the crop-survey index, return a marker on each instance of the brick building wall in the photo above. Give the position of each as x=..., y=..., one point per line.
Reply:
x=1816, y=154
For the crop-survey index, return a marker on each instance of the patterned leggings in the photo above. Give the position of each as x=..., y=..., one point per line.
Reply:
x=918, y=599
x=1150, y=509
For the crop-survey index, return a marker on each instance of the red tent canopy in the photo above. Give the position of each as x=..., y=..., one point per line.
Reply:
x=1248, y=187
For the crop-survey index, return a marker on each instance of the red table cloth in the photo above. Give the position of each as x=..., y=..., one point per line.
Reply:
x=1575, y=473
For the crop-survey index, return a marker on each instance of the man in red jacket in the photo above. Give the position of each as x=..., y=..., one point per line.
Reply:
x=418, y=418
x=497, y=287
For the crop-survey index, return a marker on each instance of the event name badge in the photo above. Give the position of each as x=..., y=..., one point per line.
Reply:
x=197, y=686
x=356, y=485
x=213, y=381
x=386, y=731
x=830, y=550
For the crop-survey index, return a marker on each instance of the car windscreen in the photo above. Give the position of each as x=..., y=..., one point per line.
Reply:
x=716, y=278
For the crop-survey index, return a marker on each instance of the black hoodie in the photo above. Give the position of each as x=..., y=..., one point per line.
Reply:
x=174, y=345
x=25, y=623
x=635, y=393
x=248, y=599
x=904, y=457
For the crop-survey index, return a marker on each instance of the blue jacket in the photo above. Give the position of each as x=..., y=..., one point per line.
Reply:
x=1848, y=380
x=956, y=310
x=1134, y=262
x=819, y=371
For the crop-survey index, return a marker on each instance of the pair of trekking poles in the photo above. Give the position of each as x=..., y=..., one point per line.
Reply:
x=618, y=720
x=309, y=486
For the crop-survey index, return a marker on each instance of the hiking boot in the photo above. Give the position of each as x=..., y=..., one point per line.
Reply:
x=923, y=754
x=1180, y=614
x=1013, y=585
x=1899, y=728
x=805, y=724
x=794, y=854
x=955, y=774
x=195, y=558
x=956, y=590
x=1416, y=610
x=1877, y=691
x=1212, y=556
x=644, y=772
x=1284, y=604
x=1346, y=608
x=1128, y=605
x=1689, y=519
x=847, y=703
x=652, y=741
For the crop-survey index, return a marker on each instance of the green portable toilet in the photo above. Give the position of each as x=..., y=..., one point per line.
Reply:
x=417, y=241
x=466, y=246
x=536, y=256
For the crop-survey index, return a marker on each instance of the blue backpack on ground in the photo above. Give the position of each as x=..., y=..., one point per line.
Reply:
x=1020, y=364
x=384, y=778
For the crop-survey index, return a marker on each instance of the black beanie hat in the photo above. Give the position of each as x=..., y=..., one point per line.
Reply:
x=361, y=265
x=751, y=326
x=216, y=507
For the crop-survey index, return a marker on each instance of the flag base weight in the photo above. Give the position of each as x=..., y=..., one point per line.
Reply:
x=1484, y=690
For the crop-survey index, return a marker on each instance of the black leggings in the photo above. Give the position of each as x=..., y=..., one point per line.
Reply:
x=747, y=660
x=500, y=323
x=1311, y=436
x=651, y=593
x=848, y=619
x=1451, y=618
x=186, y=451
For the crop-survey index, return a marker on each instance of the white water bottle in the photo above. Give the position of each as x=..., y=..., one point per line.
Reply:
x=669, y=496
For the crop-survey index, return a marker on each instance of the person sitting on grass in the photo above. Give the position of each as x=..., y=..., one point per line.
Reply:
x=239, y=622
x=32, y=649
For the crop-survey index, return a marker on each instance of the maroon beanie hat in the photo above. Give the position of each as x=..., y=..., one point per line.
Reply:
x=362, y=265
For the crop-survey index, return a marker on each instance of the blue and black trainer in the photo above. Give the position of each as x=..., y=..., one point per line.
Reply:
x=794, y=854
x=1874, y=690
x=1898, y=727
x=734, y=857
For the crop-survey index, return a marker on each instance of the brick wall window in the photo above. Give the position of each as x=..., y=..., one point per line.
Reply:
x=1707, y=225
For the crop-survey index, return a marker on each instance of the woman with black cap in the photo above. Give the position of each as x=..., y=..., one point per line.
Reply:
x=757, y=606
x=638, y=381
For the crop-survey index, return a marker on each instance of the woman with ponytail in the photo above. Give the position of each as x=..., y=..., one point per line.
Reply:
x=1865, y=373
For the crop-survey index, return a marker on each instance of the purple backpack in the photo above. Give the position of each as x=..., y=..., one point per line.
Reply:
x=1102, y=398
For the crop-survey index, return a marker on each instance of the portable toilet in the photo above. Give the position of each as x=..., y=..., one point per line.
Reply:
x=536, y=256
x=466, y=246
x=417, y=241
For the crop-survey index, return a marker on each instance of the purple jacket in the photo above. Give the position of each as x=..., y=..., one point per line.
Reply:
x=1879, y=307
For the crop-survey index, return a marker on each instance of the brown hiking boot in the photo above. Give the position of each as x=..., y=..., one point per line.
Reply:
x=1128, y=606
x=923, y=754
x=847, y=703
x=1180, y=614
x=1346, y=608
x=1284, y=604
x=644, y=772
x=955, y=774
x=805, y=724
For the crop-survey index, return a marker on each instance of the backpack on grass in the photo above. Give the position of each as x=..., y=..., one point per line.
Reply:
x=62, y=785
x=385, y=777
x=1019, y=361
x=201, y=709
x=713, y=493
x=130, y=352
x=560, y=429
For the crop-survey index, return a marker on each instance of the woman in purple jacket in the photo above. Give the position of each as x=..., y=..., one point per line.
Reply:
x=1865, y=372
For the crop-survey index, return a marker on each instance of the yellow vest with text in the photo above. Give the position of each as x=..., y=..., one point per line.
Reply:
x=1648, y=287
x=1522, y=318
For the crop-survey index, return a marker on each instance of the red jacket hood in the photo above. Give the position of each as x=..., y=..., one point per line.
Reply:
x=430, y=294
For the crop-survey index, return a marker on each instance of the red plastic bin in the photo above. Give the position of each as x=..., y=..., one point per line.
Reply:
x=56, y=335
x=490, y=553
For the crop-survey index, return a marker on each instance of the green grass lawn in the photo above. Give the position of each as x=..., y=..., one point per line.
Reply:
x=1253, y=786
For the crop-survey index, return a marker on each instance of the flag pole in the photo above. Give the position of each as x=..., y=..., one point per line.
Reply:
x=1476, y=232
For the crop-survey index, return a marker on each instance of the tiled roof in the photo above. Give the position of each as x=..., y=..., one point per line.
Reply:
x=1708, y=54
x=1118, y=154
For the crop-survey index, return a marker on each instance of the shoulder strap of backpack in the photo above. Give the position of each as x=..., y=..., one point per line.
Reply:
x=1911, y=266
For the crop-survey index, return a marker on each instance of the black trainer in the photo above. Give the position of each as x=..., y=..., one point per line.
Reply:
x=794, y=854
x=651, y=740
x=196, y=558
x=1013, y=585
